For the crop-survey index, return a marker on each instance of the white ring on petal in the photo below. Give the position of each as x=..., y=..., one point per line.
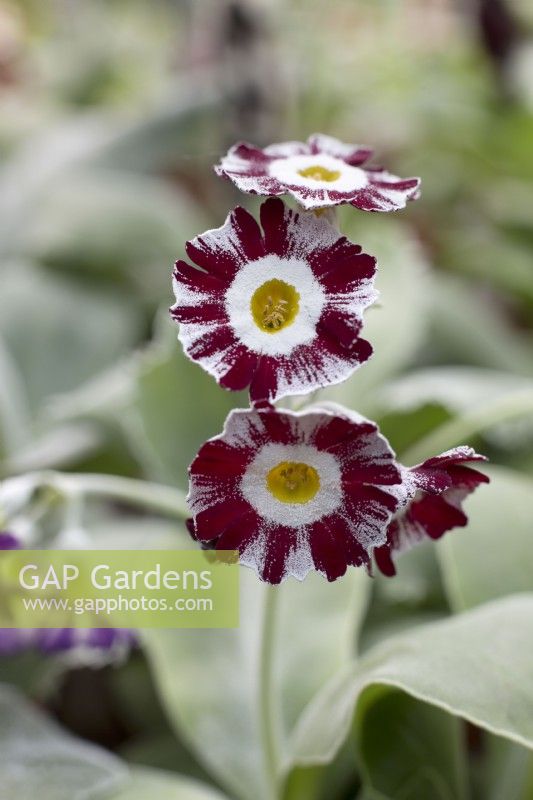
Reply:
x=287, y=171
x=328, y=499
x=302, y=329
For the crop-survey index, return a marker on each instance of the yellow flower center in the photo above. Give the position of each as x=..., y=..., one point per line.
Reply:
x=318, y=173
x=293, y=482
x=274, y=305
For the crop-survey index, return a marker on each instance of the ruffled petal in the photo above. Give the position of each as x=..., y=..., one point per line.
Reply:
x=340, y=517
x=331, y=282
x=431, y=502
x=341, y=174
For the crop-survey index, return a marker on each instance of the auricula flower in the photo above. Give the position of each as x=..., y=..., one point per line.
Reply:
x=318, y=173
x=277, y=309
x=294, y=491
x=100, y=644
x=13, y=640
x=430, y=502
x=114, y=642
x=8, y=541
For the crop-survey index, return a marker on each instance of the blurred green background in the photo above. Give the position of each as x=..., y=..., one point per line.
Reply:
x=111, y=116
x=112, y=113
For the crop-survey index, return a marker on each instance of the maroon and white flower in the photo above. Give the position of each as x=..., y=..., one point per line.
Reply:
x=430, y=502
x=320, y=172
x=278, y=309
x=292, y=491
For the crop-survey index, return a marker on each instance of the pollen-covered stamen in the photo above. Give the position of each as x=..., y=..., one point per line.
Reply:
x=318, y=173
x=293, y=482
x=274, y=305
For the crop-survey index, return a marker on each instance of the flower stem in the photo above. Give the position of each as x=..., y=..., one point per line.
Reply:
x=156, y=497
x=267, y=708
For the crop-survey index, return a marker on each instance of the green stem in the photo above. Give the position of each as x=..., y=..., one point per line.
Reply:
x=266, y=688
x=512, y=406
x=156, y=497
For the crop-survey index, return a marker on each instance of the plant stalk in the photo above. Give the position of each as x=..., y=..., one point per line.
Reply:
x=267, y=708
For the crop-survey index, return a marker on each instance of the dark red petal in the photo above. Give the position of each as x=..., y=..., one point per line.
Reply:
x=446, y=470
x=347, y=275
x=334, y=431
x=328, y=556
x=198, y=280
x=375, y=472
x=240, y=374
x=217, y=458
x=359, y=156
x=278, y=427
x=249, y=152
x=359, y=352
x=368, y=504
x=275, y=217
x=201, y=314
x=384, y=561
x=341, y=326
x=338, y=257
x=356, y=555
x=265, y=382
x=216, y=341
x=219, y=263
x=279, y=543
x=214, y=520
x=457, y=455
x=435, y=515
x=466, y=477
x=240, y=533
x=248, y=233
x=396, y=185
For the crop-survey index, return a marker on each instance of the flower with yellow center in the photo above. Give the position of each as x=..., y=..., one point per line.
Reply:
x=278, y=309
x=294, y=490
x=318, y=173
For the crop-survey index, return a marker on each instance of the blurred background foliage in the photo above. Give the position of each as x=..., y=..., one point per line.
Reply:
x=112, y=113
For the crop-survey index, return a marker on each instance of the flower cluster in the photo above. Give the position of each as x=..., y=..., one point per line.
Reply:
x=276, y=306
x=96, y=642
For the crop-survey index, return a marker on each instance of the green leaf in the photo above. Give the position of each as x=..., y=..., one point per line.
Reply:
x=14, y=413
x=256, y=680
x=493, y=556
x=506, y=770
x=409, y=750
x=463, y=391
x=172, y=138
x=415, y=596
x=58, y=333
x=178, y=407
x=397, y=325
x=476, y=665
x=122, y=227
x=515, y=405
x=465, y=329
x=457, y=388
x=38, y=759
x=159, y=785
x=27, y=176
x=164, y=405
